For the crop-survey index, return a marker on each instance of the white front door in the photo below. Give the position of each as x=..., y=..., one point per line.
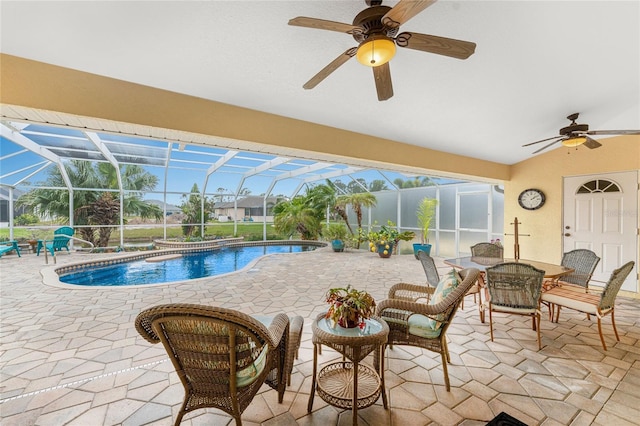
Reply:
x=601, y=214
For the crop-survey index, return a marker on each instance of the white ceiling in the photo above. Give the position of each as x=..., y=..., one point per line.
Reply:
x=535, y=63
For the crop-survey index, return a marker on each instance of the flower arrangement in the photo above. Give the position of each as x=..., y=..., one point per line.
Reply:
x=349, y=307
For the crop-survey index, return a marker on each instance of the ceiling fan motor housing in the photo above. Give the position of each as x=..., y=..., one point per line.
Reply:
x=574, y=128
x=370, y=20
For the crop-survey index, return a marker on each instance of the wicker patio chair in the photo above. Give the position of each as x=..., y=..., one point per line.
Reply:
x=222, y=356
x=583, y=262
x=412, y=292
x=593, y=304
x=515, y=288
x=487, y=250
x=425, y=325
x=429, y=266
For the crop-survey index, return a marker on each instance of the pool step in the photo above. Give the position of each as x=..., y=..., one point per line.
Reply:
x=163, y=258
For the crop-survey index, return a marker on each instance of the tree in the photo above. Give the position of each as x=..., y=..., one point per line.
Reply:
x=357, y=186
x=192, y=208
x=339, y=209
x=357, y=202
x=104, y=211
x=377, y=185
x=90, y=205
x=296, y=216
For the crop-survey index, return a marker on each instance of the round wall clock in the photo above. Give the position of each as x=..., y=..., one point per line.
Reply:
x=531, y=199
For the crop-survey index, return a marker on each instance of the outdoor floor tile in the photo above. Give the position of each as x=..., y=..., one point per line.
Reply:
x=73, y=357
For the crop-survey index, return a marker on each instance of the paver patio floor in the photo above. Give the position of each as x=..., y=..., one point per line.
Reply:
x=73, y=356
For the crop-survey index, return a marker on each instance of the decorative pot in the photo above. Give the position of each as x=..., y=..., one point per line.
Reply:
x=346, y=323
x=384, y=250
x=424, y=247
x=337, y=245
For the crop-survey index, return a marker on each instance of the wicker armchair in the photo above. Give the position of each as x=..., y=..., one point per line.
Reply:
x=515, y=288
x=222, y=356
x=593, y=304
x=487, y=250
x=401, y=315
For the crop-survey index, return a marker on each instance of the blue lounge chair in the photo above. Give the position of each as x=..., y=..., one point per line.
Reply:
x=59, y=242
x=61, y=238
x=6, y=249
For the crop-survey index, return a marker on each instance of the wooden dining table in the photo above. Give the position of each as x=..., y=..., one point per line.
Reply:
x=552, y=272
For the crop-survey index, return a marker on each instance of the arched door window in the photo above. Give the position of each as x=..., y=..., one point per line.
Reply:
x=598, y=185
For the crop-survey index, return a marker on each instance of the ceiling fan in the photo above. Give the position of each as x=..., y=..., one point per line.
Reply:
x=376, y=31
x=578, y=134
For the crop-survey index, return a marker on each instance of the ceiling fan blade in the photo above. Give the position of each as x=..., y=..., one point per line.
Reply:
x=403, y=11
x=322, y=24
x=543, y=140
x=613, y=132
x=548, y=145
x=440, y=45
x=591, y=143
x=333, y=65
x=382, y=77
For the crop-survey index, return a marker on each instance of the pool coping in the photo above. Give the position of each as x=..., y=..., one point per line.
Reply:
x=51, y=274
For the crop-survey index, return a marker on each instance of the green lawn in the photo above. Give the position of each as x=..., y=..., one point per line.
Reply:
x=250, y=231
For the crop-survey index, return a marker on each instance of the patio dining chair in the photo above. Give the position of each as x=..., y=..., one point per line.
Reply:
x=424, y=325
x=515, y=288
x=487, y=250
x=584, y=263
x=413, y=293
x=589, y=303
x=222, y=356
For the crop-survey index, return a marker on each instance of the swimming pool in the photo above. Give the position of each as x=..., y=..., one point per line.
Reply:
x=190, y=265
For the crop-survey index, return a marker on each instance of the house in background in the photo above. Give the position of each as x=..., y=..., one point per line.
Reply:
x=249, y=209
x=5, y=194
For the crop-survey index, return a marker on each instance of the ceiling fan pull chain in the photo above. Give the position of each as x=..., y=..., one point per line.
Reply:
x=373, y=52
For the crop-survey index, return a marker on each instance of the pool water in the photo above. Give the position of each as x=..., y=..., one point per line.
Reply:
x=187, y=267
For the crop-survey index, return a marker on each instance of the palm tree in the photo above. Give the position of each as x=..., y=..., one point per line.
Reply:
x=339, y=209
x=93, y=206
x=357, y=202
x=192, y=208
x=296, y=216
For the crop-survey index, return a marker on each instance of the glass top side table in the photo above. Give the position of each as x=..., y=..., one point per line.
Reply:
x=348, y=383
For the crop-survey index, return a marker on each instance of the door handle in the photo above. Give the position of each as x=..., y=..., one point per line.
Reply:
x=567, y=234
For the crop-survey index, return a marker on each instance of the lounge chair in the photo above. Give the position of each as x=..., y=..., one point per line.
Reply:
x=61, y=238
x=6, y=249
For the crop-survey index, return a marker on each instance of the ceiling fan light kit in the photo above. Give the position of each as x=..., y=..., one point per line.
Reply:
x=376, y=50
x=574, y=142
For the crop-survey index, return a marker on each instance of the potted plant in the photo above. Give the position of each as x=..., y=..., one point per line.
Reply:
x=425, y=213
x=384, y=241
x=349, y=307
x=336, y=233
